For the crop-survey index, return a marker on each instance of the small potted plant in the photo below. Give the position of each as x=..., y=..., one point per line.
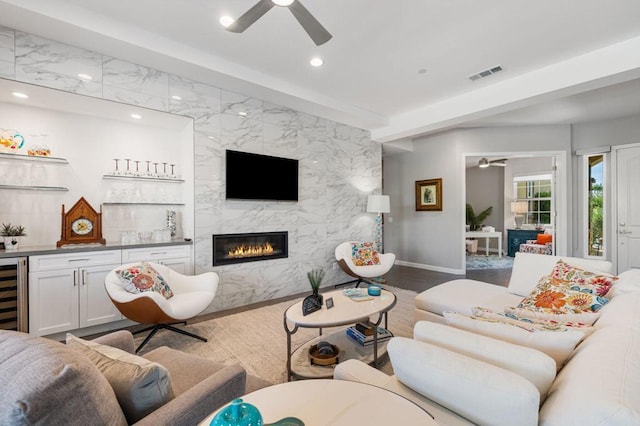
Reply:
x=11, y=235
x=315, y=279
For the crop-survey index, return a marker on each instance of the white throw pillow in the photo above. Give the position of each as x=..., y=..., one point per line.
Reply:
x=558, y=344
x=480, y=392
x=140, y=385
x=628, y=282
x=535, y=366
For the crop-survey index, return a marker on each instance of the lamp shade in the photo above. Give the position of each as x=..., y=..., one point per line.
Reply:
x=519, y=207
x=378, y=204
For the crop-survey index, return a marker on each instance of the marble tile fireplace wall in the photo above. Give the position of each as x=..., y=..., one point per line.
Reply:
x=339, y=164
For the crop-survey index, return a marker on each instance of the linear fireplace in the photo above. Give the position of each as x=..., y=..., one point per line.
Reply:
x=249, y=247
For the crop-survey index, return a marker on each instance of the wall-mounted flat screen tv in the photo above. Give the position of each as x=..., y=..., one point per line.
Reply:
x=261, y=177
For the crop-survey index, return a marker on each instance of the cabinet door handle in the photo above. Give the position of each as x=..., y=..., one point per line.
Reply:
x=84, y=277
x=75, y=278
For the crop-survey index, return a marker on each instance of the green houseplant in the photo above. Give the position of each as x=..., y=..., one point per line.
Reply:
x=476, y=221
x=11, y=235
x=315, y=277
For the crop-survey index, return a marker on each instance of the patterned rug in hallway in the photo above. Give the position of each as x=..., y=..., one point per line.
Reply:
x=480, y=261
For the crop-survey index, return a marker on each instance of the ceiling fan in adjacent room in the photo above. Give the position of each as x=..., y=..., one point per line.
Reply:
x=502, y=162
x=316, y=31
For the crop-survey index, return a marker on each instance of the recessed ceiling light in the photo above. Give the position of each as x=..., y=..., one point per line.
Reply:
x=242, y=113
x=85, y=76
x=422, y=71
x=20, y=95
x=316, y=62
x=176, y=98
x=226, y=20
x=283, y=3
x=136, y=116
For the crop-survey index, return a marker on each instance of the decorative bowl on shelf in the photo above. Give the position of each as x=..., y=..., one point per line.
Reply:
x=324, y=353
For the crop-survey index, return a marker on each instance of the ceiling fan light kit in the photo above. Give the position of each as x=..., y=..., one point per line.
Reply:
x=484, y=163
x=316, y=31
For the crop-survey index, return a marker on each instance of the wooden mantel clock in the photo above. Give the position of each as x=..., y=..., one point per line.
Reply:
x=81, y=225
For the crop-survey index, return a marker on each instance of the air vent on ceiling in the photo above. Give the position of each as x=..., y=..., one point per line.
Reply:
x=485, y=73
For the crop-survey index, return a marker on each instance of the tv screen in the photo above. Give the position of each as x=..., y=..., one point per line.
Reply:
x=261, y=177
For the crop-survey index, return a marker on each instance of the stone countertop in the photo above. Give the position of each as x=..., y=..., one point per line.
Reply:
x=25, y=251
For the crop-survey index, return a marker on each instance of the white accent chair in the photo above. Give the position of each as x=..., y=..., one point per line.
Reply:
x=362, y=273
x=191, y=295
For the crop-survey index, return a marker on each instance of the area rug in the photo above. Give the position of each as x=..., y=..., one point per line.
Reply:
x=256, y=339
x=479, y=261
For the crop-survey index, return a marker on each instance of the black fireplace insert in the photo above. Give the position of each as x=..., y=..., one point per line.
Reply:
x=249, y=247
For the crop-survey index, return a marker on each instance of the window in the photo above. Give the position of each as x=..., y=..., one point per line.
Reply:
x=595, y=204
x=536, y=191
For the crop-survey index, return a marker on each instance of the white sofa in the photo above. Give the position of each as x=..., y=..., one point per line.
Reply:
x=465, y=378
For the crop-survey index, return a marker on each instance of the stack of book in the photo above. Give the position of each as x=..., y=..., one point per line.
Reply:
x=365, y=338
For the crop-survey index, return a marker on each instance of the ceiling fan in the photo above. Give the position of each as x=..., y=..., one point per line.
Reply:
x=316, y=31
x=502, y=162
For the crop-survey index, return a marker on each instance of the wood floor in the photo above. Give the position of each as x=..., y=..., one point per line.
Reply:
x=404, y=277
x=421, y=279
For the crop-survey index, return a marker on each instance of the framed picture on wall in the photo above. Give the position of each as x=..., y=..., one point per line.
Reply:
x=429, y=195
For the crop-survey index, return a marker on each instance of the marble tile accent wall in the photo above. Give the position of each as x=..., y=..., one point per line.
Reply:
x=339, y=164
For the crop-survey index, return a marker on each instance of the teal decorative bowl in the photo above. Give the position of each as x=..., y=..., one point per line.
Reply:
x=374, y=290
x=238, y=413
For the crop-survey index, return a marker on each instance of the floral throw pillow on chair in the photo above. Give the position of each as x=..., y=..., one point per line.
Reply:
x=142, y=277
x=364, y=254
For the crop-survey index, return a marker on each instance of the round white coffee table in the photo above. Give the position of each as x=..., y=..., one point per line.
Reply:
x=334, y=402
x=344, y=312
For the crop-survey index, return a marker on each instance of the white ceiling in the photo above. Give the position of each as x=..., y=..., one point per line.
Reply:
x=557, y=55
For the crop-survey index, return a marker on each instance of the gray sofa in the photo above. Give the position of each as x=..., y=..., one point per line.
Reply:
x=44, y=382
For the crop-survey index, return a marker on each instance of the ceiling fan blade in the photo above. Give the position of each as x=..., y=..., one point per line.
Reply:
x=316, y=31
x=250, y=16
x=499, y=163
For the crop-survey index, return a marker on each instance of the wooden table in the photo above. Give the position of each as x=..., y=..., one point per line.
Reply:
x=344, y=312
x=334, y=402
x=486, y=236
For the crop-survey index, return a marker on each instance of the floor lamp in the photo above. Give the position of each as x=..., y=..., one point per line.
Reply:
x=378, y=204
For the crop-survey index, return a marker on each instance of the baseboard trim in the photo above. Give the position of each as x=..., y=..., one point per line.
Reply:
x=431, y=267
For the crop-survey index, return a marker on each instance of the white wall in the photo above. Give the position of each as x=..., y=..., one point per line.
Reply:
x=435, y=240
x=90, y=143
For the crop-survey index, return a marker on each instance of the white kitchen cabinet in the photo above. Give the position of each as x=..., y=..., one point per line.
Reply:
x=66, y=291
x=177, y=258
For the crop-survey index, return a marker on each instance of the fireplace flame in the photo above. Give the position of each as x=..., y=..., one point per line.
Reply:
x=251, y=250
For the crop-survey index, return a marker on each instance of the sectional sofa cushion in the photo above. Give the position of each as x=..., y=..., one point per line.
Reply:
x=558, y=344
x=141, y=386
x=535, y=366
x=74, y=390
x=478, y=391
x=600, y=384
x=463, y=294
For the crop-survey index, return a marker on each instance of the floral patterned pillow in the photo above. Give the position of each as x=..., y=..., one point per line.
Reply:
x=584, y=281
x=554, y=296
x=142, y=277
x=364, y=254
x=527, y=323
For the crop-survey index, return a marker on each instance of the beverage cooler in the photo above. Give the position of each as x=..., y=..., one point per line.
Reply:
x=13, y=294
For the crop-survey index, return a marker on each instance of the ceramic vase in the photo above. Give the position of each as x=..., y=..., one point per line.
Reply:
x=11, y=243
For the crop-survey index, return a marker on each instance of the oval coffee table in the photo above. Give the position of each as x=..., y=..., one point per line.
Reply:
x=334, y=402
x=344, y=312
